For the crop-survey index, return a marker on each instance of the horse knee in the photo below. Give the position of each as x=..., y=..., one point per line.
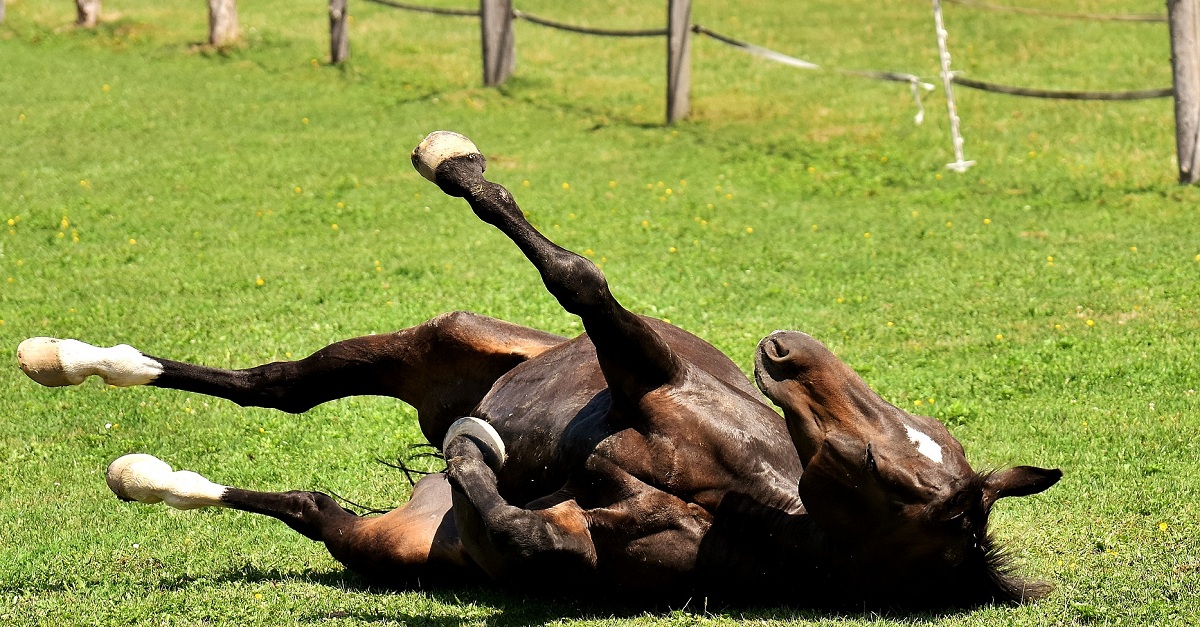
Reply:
x=577, y=284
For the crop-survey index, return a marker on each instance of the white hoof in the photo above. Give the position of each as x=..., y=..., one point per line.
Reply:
x=436, y=148
x=38, y=357
x=484, y=433
x=148, y=479
x=55, y=363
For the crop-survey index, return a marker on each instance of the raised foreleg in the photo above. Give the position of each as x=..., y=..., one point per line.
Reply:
x=412, y=545
x=634, y=358
x=442, y=368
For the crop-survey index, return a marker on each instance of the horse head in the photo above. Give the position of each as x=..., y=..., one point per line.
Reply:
x=892, y=490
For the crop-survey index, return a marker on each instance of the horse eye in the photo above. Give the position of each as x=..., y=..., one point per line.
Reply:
x=871, y=459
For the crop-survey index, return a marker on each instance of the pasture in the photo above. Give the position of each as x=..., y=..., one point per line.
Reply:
x=233, y=208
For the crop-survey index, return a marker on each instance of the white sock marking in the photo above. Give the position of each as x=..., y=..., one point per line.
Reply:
x=55, y=362
x=148, y=479
x=925, y=444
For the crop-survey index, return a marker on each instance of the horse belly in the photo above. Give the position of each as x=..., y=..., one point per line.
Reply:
x=534, y=405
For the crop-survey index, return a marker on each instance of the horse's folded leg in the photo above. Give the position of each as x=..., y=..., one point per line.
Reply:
x=547, y=546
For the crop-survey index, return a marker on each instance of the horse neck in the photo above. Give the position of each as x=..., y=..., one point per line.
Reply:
x=780, y=533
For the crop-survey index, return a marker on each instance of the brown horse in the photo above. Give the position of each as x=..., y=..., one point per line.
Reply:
x=635, y=460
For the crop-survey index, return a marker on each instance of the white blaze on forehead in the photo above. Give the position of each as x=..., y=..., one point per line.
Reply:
x=925, y=444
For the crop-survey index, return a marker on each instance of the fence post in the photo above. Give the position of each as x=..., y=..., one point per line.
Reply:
x=499, y=56
x=339, y=41
x=679, y=59
x=87, y=12
x=1184, y=18
x=222, y=22
x=1, y=11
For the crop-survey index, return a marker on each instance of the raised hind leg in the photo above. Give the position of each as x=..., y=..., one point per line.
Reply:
x=442, y=368
x=413, y=545
x=634, y=358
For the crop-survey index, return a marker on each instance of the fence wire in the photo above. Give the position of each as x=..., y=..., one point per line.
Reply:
x=602, y=32
x=914, y=81
x=1102, y=17
x=425, y=9
x=1029, y=92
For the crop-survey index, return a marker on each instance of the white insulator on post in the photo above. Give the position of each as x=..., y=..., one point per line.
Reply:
x=960, y=163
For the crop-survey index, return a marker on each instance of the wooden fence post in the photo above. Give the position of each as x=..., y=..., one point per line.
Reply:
x=679, y=59
x=222, y=22
x=499, y=50
x=339, y=42
x=1184, y=18
x=87, y=12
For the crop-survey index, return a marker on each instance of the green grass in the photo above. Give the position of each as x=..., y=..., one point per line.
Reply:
x=187, y=175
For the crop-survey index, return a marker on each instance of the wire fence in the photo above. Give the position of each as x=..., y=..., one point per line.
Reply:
x=1054, y=94
x=883, y=75
x=423, y=9
x=917, y=85
x=584, y=30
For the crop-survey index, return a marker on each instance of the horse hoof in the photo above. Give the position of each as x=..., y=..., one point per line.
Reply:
x=38, y=358
x=483, y=433
x=137, y=477
x=439, y=147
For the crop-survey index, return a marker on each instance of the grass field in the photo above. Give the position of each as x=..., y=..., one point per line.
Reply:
x=240, y=207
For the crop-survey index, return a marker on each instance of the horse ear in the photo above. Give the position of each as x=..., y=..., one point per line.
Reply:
x=1018, y=481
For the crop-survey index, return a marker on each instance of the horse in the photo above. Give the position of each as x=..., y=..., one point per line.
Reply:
x=635, y=461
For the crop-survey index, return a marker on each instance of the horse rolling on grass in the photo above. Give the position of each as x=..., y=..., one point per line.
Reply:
x=635, y=461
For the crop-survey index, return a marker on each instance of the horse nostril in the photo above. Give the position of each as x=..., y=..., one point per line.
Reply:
x=778, y=350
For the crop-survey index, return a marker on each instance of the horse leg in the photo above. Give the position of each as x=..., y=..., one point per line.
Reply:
x=442, y=368
x=546, y=544
x=632, y=356
x=415, y=544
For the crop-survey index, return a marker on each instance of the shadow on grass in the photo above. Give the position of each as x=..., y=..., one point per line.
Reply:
x=505, y=608
x=489, y=605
